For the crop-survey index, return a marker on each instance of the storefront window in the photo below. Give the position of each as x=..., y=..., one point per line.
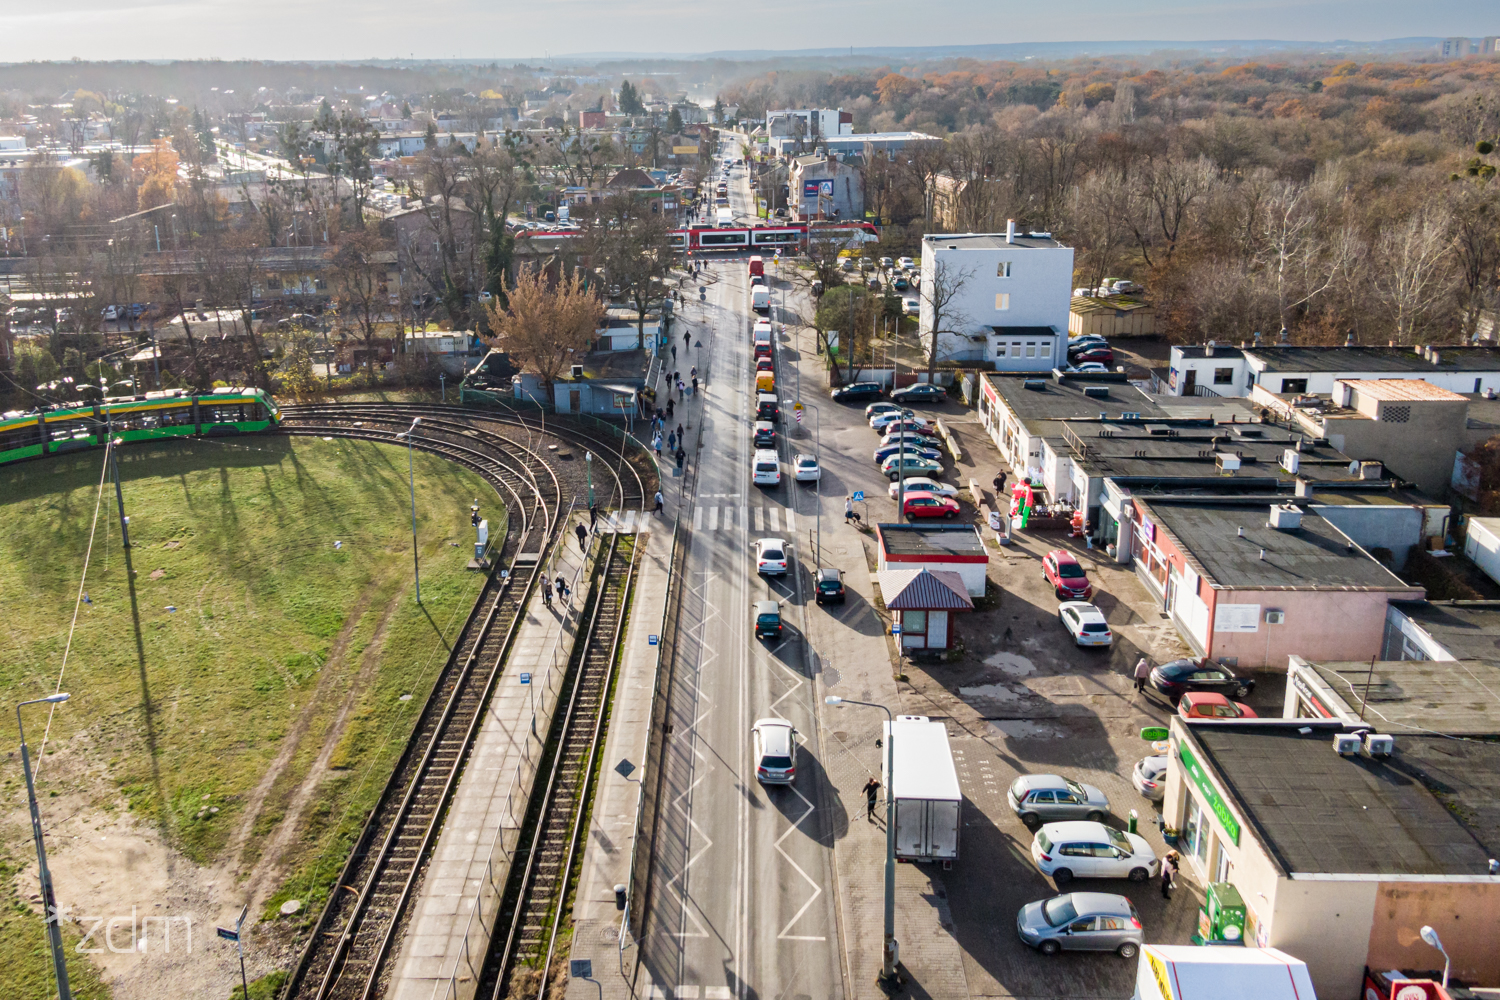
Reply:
x=1195, y=831
x=1222, y=868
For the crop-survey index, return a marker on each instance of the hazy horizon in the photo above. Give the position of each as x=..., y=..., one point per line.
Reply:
x=467, y=29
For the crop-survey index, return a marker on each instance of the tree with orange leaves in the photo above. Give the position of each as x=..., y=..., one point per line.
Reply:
x=157, y=173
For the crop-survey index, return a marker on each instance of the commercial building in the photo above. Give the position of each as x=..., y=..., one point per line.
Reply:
x=1207, y=370
x=1284, y=369
x=809, y=124
x=1441, y=630
x=1445, y=697
x=822, y=187
x=951, y=548
x=1250, y=583
x=922, y=601
x=1340, y=859
x=1005, y=298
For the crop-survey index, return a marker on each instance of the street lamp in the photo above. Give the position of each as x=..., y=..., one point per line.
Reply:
x=49, y=898
x=588, y=465
x=1428, y=934
x=411, y=483
x=888, y=963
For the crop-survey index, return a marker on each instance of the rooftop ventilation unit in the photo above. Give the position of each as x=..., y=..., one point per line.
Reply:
x=1096, y=391
x=1285, y=517
x=1291, y=460
x=578, y=371
x=1034, y=384
x=1226, y=462
x=1379, y=745
x=1346, y=744
x=1130, y=416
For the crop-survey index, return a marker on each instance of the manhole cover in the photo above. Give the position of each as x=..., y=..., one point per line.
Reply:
x=831, y=677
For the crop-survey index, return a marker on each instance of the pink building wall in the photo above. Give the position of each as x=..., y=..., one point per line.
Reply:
x=1319, y=624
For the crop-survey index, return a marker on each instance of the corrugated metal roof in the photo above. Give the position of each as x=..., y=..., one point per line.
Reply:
x=1401, y=388
x=924, y=590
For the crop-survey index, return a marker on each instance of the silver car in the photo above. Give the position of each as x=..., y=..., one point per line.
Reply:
x=1051, y=798
x=1082, y=921
x=1150, y=777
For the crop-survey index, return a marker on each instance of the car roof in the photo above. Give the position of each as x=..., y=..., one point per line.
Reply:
x=780, y=543
x=765, y=455
x=1107, y=903
x=1085, y=610
x=829, y=572
x=767, y=607
x=1063, y=555
x=1077, y=829
x=1036, y=781
x=759, y=424
x=927, y=495
x=1206, y=698
x=810, y=458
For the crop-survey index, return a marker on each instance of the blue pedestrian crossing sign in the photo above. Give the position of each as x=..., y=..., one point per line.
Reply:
x=896, y=629
x=859, y=494
x=652, y=640
x=525, y=678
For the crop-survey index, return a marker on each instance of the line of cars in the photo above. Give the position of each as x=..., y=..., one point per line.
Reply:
x=1089, y=353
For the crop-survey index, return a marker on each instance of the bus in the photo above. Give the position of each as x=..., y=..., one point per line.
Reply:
x=154, y=415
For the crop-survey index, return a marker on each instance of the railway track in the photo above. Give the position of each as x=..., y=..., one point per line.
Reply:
x=367, y=911
x=533, y=908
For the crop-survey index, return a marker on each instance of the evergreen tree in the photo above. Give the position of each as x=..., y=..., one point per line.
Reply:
x=674, y=122
x=325, y=121
x=630, y=100
x=431, y=139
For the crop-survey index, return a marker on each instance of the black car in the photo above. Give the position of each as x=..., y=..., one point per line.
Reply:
x=856, y=391
x=923, y=392
x=1177, y=677
x=830, y=585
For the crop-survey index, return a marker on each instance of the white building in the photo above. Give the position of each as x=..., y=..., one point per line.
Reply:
x=1455, y=48
x=1012, y=308
x=816, y=123
x=1283, y=368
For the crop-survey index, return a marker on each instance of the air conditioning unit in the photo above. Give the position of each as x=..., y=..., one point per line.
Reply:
x=1379, y=745
x=1226, y=461
x=1291, y=460
x=1346, y=744
x=1275, y=617
x=1096, y=391
x=1034, y=384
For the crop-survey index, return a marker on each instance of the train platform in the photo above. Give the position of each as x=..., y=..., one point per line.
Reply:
x=443, y=950
x=612, y=827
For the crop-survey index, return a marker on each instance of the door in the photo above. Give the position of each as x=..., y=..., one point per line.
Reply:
x=1079, y=858
x=910, y=827
x=1190, y=382
x=1069, y=806
x=575, y=400
x=942, y=827
x=1082, y=935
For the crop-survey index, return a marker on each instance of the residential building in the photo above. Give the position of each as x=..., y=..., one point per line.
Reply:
x=1250, y=583
x=952, y=548
x=1006, y=295
x=956, y=200
x=1455, y=48
x=809, y=124
x=1489, y=45
x=1111, y=316
x=1447, y=697
x=1341, y=859
x=593, y=119
x=824, y=188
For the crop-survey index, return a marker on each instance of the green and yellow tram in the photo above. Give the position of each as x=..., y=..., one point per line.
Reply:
x=166, y=414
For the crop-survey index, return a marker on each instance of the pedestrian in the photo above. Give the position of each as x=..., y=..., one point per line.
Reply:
x=850, y=514
x=872, y=792
x=583, y=537
x=1169, y=874
x=671, y=441
x=674, y=354
x=695, y=383
x=1142, y=671
x=593, y=514
x=656, y=443
x=657, y=511
x=547, y=592
x=999, y=483
x=669, y=409
x=562, y=588
x=687, y=340
x=680, y=436
x=681, y=455
x=694, y=372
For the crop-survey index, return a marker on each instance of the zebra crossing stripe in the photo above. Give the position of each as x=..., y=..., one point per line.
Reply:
x=771, y=517
x=713, y=519
x=791, y=520
x=698, y=518
x=760, y=519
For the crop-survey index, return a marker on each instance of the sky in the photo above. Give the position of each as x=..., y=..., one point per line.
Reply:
x=512, y=29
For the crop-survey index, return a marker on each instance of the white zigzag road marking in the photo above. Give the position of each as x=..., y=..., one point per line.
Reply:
x=817, y=889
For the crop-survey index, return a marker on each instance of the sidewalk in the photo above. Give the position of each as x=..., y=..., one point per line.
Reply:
x=445, y=940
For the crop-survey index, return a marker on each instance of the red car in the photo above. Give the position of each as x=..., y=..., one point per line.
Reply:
x=1212, y=705
x=920, y=503
x=1103, y=355
x=765, y=365
x=1060, y=569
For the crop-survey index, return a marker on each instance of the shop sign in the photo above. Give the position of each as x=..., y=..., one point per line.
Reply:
x=1210, y=794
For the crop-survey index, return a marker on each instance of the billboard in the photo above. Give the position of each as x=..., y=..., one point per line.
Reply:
x=813, y=189
x=684, y=150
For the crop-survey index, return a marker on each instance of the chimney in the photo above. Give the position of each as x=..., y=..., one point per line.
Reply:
x=1257, y=338
x=1436, y=356
x=1010, y=230
x=1349, y=340
x=1304, y=487
x=1391, y=344
x=1208, y=349
x=1286, y=338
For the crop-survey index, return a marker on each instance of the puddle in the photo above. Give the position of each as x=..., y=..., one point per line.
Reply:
x=1024, y=729
x=1014, y=664
x=990, y=692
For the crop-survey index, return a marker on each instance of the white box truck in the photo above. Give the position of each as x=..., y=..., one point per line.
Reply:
x=1188, y=972
x=1482, y=544
x=760, y=299
x=924, y=788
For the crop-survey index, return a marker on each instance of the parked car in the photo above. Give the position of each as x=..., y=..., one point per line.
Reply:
x=906, y=262
x=922, y=392
x=873, y=284
x=1177, y=677
x=1086, y=849
x=1103, y=355
x=1212, y=705
x=920, y=504
x=1051, y=798
x=770, y=556
x=900, y=284
x=926, y=485
x=805, y=469
x=846, y=264
x=1088, y=368
x=882, y=421
x=1150, y=776
x=767, y=620
x=874, y=409
x=911, y=448
x=887, y=262
x=1126, y=287
x=911, y=438
x=830, y=585
x=1083, y=340
x=1082, y=921
x=112, y=313
x=765, y=434
x=1085, y=623
x=1067, y=577
x=894, y=467
x=856, y=391
x=775, y=748
x=911, y=307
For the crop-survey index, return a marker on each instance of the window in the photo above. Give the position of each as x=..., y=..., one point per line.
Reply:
x=1002, y=301
x=1223, y=376
x=1294, y=385
x=1048, y=797
x=1195, y=831
x=1222, y=868
x=1031, y=349
x=1113, y=924
x=913, y=621
x=1003, y=271
x=1046, y=349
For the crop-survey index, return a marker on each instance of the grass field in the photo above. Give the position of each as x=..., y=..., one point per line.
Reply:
x=231, y=651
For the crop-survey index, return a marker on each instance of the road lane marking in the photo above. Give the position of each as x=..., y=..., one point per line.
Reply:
x=713, y=519
x=791, y=520
x=760, y=519
x=698, y=518
x=771, y=518
x=817, y=889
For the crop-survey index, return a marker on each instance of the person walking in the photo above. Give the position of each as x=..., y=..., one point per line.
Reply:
x=999, y=483
x=872, y=792
x=674, y=354
x=547, y=592
x=680, y=436
x=657, y=511
x=695, y=383
x=687, y=340
x=583, y=537
x=1142, y=672
x=563, y=591
x=1169, y=874
x=671, y=441
x=669, y=409
x=850, y=514
x=656, y=443
x=593, y=515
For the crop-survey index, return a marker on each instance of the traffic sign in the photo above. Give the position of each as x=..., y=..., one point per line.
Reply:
x=896, y=629
x=525, y=678
x=227, y=934
x=859, y=495
x=652, y=640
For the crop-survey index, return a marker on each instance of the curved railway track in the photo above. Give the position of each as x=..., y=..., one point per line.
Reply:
x=367, y=910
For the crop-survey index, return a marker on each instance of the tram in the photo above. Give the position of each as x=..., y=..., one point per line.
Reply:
x=166, y=414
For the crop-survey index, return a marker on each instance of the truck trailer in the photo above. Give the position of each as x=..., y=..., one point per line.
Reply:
x=1187, y=972
x=924, y=788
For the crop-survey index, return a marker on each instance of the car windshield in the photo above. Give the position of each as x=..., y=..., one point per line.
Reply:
x=1043, y=841
x=772, y=554
x=1059, y=910
x=776, y=763
x=806, y=463
x=1118, y=839
x=1069, y=570
x=1075, y=788
x=768, y=619
x=765, y=467
x=1096, y=627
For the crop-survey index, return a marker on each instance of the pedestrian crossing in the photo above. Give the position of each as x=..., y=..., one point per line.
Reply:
x=757, y=519
x=623, y=522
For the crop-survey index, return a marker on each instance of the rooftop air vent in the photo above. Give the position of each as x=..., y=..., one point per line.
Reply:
x=1379, y=745
x=1096, y=391
x=1226, y=461
x=578, y=371
x=1130, y=416
x=1346, y=744
x=1285, y=517
x=1034, y=384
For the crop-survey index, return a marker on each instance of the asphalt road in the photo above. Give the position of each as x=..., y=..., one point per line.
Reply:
x=743, y=897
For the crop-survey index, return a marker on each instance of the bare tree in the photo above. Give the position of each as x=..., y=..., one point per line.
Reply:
x=1410, y=274
x=1100, y=223
x=633, y=245
x=939, y=297
x=360, y=290
x=1476, y=244
x=545, y=323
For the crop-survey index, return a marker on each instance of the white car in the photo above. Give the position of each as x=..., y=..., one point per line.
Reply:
x=1088, y=368
x=881, y=421
x=805, y=469
x=775, y=749
x=1150, y=777
x=923, y=484
x=1086, y=849
x=906, y=263
x=1085, y=623
x=765, y=468
x=770, y=556
x=911, y=307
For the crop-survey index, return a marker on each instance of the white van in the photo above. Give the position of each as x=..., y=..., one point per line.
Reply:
x=724, y=218
x=760, y=299
x=767, y=470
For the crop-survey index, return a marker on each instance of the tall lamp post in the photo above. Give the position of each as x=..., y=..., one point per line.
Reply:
x=411, y=483
x=49, y=898
x=888, y=963
x=1428, y=934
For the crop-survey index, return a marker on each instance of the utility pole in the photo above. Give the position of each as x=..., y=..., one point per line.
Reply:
x=44, y=874
x=114, y=466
